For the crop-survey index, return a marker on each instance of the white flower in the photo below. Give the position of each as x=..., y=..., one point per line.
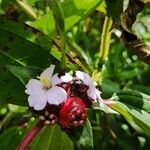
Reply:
x=45, y=90
x=92, y=92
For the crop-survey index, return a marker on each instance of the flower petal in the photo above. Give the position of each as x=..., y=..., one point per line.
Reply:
x=34, y=86
x=64, y=78
x=92, y=93
x=37, y=101
x=84, y=77
x=98, y=94
x=48, y=72
x=56, y=95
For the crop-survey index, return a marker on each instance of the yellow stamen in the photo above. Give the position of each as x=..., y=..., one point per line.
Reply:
x=45, y=81
x=97, y=76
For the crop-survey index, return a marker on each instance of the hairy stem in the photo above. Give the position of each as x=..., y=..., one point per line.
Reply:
x=30, y=136
x=81, y=58
x=60, y=27
x=105, y=38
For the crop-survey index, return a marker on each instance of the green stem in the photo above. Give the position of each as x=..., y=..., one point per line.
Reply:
x=78, y=50
x=60, y=27
x=85, y=67
x=82, y=58
x=27, y=9
x=6, y=119
x=63, y=50
x=105, y=38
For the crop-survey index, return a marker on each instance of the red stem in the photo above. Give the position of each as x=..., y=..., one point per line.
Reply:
x=30, y=136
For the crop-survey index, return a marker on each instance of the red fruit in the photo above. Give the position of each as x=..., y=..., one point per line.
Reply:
x=72, y=113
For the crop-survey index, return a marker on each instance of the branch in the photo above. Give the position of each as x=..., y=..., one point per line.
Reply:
x=130, y=40
x=30, y=136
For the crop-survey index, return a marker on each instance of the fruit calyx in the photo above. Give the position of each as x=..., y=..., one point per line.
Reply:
x=72, y=113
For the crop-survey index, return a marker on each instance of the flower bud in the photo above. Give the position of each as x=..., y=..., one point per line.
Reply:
x=49, y=115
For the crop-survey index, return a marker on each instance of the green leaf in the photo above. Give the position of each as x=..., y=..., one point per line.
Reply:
x=74, y=11
x=23, y=73
x=17, y=109
x=25, y=46
x=103, y=107
x=22, y=49
x=117, y=8
x=142, y=88
x=82, y=137
x=58, y=15
x=22, y=45
x=12, y=90
x=130, y=104
x=136, y=117
x=51, y=138
x=133, y=98
x=10, y=139
x=109, y=88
